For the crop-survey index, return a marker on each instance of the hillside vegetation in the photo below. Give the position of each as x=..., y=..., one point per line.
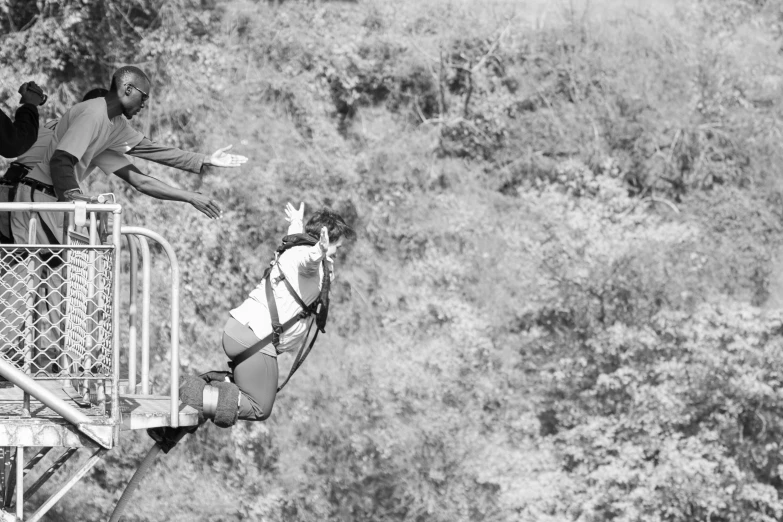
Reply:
x=563, y=302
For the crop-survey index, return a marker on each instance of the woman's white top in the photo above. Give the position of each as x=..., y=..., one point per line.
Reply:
x=303, y=268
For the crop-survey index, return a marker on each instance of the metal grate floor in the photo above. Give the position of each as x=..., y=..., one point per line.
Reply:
x=11, y=402
x=138, y=411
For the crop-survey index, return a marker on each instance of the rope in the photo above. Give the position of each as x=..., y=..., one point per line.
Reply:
x=134, y=481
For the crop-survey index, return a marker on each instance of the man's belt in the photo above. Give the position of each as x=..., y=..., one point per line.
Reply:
x=40, y=187
x=15, y=173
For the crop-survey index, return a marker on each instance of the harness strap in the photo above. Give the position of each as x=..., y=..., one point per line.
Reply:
x=304, y=352
x=277, y=328
x=290, y=288
x=247, y=354
x=301, y=356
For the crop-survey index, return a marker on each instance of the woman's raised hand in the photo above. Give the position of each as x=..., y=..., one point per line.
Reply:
x=293, y=214
x=324, y=241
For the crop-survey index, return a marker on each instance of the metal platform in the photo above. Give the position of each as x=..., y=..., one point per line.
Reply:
x=140, y=412
x=44, y=427
x=66, y=379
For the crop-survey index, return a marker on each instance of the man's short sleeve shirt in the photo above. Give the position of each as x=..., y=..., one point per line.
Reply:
x=85, y=131
x=108, y=161
x=35, y=153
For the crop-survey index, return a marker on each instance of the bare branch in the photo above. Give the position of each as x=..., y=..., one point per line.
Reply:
x=466, y=106
x=666, y=202
x=492, y=47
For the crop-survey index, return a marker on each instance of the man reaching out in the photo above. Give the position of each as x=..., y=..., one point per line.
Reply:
x=92, y=127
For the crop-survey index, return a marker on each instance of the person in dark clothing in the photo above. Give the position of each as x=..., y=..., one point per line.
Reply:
x=19, y=135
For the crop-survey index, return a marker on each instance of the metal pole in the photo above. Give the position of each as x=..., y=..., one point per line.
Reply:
x=46, y=475
x=132, y=311
x=36, y=458
x=19, y=483
x=93, y=229
x=66, y=224
x=67, y=362
x=9, y=475
x=174, y=316
x=115, y=323
x=58, y=207
x=30, y=386
x=145, y=315
x=89, y=358
x=30, y=312
x=92, y=461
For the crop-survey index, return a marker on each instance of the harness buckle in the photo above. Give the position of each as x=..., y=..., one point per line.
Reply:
x=277, y=331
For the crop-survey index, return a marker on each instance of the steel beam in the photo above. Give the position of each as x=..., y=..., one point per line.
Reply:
x=44, y=432
x=36, y=459
x=46, y=475
x=20, y=482
x=9, y=475
x=86, y=467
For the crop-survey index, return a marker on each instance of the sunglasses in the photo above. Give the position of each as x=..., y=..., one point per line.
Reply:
x=144, y=95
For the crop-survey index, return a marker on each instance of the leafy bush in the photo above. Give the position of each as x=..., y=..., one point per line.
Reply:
x=666, y=422
x=567, y=227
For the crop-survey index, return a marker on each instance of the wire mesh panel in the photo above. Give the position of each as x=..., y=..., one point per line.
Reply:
x=55, y=309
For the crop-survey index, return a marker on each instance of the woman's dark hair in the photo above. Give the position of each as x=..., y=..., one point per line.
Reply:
x=334, y=223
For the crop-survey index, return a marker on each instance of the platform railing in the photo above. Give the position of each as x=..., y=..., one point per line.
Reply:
x=139, y=234
x=82, y=342
x=133, y=312
x=59, y=307
x=60, y=320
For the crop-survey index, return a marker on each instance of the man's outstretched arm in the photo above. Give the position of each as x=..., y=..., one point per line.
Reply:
x=157, y=189
x=184, y=160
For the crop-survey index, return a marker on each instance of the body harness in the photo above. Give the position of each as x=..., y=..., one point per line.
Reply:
x=319, y=308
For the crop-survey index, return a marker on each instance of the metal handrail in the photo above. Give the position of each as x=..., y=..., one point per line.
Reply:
x=28, y=316
x=49, y=399
x=116, y=415
x=60, y=207
x=133, y=313
x=175, y=275
x=145, y=314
